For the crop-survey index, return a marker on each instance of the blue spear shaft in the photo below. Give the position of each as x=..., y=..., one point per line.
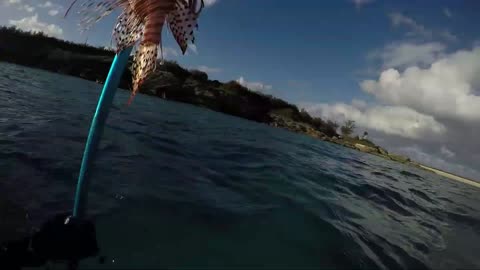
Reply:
x=96, y=129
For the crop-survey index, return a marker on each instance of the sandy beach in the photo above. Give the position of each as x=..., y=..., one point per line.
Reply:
x=452, y=176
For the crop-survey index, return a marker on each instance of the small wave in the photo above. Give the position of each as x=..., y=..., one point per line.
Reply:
x=421, y=195
x=165, y=148
x=6, y=142
x=446, y=200
x=166, y=140
x=465, y=219
x=12, y=128
x=136, y=122
x=342, y=189
x=359, y=162
x=389, y=254
x=110, y=147
x=384, y=175
x=410, y=174
x=174, y=123
x=354, y=174
x=24, y=157
x=7, y=90
x=386, y=198
x=387, y=169
x=430, y=227
x=260, y=167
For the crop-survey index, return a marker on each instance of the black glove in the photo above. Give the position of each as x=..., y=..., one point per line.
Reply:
x=63, y=238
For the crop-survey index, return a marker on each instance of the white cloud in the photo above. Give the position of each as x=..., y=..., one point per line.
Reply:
x=447, y=12
x=34, y=25
x=360, y=104
x=193, y=48
x=18, y=4
x=50, y=5
x=45, y=5
x=448, y=36
x=446, y=152
x=169, y=52
x=209, y=69
x=416, y=29
x=391, y=120
x=13, y=2
x=53, y=12
x=447, y=89
x=27, y=8
x=210, y=2
x=54, y=9
x=402, y=54
x=434, y=109
x=255, y=86
x=360, y=3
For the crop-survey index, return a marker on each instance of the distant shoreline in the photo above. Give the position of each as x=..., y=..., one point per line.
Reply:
x=451, y=176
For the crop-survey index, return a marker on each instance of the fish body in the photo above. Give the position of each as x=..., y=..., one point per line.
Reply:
x=141, y=23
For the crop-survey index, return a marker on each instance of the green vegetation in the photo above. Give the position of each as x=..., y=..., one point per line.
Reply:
x=348, y=128
x=40, y=51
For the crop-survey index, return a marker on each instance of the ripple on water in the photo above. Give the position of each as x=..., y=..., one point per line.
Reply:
x=384, y=197
x=384, y=175
x=421, y=195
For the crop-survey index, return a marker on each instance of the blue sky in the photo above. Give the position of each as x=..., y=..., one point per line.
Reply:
x=306, y=50
x=386, y=64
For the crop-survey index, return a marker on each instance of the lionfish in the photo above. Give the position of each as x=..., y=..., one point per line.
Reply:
x=143, y=20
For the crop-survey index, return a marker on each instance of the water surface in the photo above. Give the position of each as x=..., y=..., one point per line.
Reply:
x=182, y=187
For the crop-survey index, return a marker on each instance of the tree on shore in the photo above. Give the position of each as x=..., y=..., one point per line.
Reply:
x=332, y=124
x=348, y=128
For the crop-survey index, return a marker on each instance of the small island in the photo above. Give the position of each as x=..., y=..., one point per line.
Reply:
x=173, y=82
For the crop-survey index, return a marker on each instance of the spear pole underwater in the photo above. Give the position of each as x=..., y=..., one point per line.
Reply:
x=96, y=129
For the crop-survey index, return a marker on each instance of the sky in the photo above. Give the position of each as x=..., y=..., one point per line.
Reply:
x=408, y=72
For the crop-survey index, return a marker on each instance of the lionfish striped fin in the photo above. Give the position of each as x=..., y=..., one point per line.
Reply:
x=182, y=22
x=144, y=64
x=128, y=29
x=92, y=11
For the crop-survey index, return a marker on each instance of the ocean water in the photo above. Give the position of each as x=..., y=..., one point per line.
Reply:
x=178, y=186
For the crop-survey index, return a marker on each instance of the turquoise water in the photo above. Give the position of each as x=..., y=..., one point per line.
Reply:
x=177, y=186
